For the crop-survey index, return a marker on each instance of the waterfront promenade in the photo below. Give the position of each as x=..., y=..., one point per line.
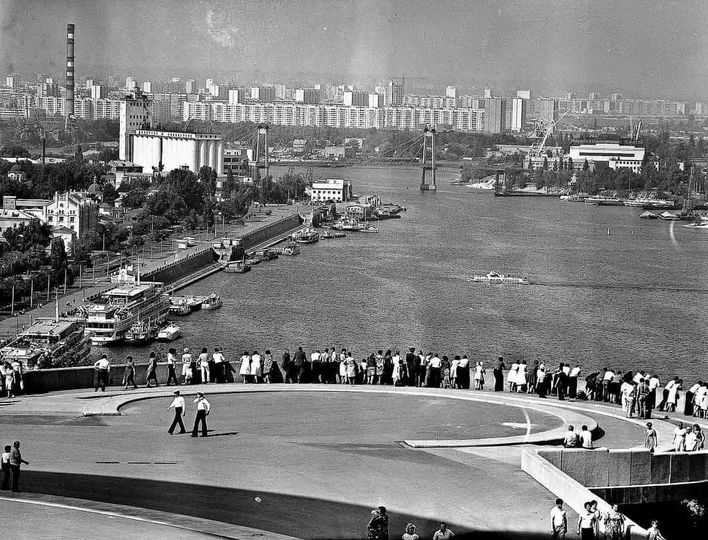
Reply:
x=317, y=456
x=11, y=326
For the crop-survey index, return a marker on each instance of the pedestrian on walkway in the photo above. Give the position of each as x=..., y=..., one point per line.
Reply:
x=204, y=365
x=499, y=375
x=653, y=532
x=171, y=361
x=651, y=437
x=218, y=361
x=180, y=410
x=614, y=522
x=587, y=523
x=203, y=408
x=129, y=374
x=187, y=372
x=559, y=521
x=151, y=374
x=377, y=529
x=410, y=533
x=443, y=533
x=5, y=461
x=15, y=462
x=102, y=367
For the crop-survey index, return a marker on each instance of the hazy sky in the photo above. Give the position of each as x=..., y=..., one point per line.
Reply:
x=643, y=47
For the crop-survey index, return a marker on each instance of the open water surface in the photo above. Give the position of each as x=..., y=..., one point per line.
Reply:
x=631, y=299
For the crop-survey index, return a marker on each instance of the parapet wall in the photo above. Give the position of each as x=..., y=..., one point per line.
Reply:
x=270, y=231
x=171, y=272
x=633, y=475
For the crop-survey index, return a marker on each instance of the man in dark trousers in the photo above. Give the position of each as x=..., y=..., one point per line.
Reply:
x=410, y=366
x=15, y=462
x=288, y=367
x=101, y=366
x=300, y=362
x=203, y=408
x=6, y=468
x=180, y=411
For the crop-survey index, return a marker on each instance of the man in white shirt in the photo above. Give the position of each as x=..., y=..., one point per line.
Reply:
x=171, y=360
x=203, y=408
x=585, y=437
x=101, y=366
x=573, y=384
x=559, y=521
x=218, y=359
x=180, y=410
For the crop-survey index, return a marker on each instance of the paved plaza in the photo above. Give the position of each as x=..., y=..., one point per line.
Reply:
x=302, y=461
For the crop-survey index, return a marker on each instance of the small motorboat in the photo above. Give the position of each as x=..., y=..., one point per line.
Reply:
x=237, y=267
x=194, y=303
x=213, y=301
x=306, y=236
x=649, y=215
x=668, y=216
x=169, y=333
x=368, y=228
x=291, y=249
x=140, y=332
x=495, y=278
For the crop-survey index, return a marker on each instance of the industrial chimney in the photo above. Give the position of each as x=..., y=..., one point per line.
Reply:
x=70, y=70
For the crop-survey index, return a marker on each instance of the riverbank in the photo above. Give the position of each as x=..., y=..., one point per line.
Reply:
x=176, y=269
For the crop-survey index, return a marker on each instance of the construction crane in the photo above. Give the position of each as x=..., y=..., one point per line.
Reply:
x=536, y=151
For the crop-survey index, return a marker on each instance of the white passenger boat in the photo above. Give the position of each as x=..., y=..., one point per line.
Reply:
x=169, y=333
x=306, y=236
x=495, y=278
x=117, y=310
x=49, y=343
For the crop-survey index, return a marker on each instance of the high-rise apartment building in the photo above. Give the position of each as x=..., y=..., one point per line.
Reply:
x=494, y=114
x=451, y=92
x=190, y=86
x=130, y=84
x=309, y=96
x=394, y=96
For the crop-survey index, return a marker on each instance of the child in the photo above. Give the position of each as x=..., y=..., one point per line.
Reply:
x=652, y=439
x=6, y=468
x=653, y=532
x=410, y=533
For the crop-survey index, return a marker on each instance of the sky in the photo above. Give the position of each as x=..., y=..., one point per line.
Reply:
x=644, y=48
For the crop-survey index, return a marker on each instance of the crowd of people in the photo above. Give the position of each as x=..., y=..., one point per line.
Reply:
x=593, y=524
x=377, y=528
x=11, y=380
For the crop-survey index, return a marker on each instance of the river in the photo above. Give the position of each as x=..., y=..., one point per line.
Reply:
x=631, y=299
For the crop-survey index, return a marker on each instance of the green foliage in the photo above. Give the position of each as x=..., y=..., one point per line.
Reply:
x=14, y=150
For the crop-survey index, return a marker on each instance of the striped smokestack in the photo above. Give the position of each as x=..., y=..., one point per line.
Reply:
x=70, y=69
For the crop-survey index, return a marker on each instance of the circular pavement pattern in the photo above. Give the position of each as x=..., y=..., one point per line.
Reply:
x=352, y=417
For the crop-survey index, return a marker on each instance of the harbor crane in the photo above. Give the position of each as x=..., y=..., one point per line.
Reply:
x=536, y=151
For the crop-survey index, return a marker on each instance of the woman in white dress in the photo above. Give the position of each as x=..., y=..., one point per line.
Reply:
x=245, y=370
x=351, y=368
x=343, y=366
x=521, y=377
x=479, y=372
x=512, y=378
x=256, y=367
x=673, y=396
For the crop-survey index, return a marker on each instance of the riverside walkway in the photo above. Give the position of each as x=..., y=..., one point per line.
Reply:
x=11, y=326
x=307, y=461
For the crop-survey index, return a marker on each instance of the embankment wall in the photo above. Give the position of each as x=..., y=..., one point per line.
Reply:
x=634, y=475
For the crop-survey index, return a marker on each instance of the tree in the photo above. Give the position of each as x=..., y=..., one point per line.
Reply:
x=586, y=165
x=109, y=194
x=14, y=150
x=545, y=163
x=57, y=257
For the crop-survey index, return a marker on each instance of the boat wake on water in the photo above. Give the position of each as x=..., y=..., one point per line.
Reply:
x=621, y=286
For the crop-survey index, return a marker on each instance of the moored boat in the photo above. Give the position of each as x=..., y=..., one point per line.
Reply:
x=495, y=278
x=237, y=267
x=648, y=215
x=668, y=216
x=211, y=302
x=142, y=332
x=291, y=249
x=179, y=307
x=117, y=310
x=306, y=236
x=169, y=333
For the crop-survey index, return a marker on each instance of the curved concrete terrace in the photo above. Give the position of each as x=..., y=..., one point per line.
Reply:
x=456, y=473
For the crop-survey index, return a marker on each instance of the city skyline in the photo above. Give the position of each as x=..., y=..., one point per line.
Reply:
x=645, y=49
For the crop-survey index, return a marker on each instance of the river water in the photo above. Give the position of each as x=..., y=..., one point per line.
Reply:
x=631, y=299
